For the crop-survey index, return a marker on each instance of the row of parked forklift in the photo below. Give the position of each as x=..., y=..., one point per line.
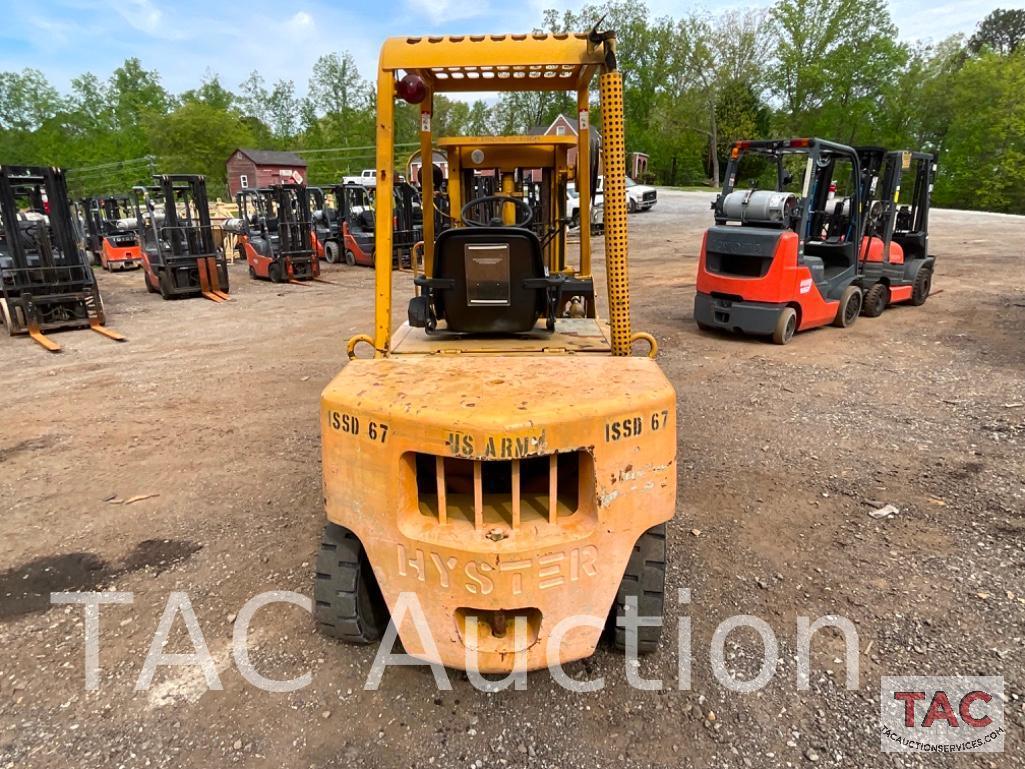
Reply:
x=809, y=232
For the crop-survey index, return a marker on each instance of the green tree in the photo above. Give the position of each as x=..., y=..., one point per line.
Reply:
x=1002, y=31
x=26, y=100
x=833, y=57
x=982, y=163
x=198, y=138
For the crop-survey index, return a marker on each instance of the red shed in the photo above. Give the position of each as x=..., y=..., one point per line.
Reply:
x=259, y=168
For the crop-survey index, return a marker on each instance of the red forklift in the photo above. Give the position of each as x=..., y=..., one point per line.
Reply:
x=179, y=257
x=321, y=219
x=274, y=232
x=111, y=235
x=784, y=254
x=895, y=263
x=350, y=226
x=46, y=283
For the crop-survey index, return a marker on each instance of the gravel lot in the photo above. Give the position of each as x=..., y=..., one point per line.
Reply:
x=783, y=452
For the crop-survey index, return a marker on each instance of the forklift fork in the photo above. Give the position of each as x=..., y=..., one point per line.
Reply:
x=209, y=282
x=38, y=336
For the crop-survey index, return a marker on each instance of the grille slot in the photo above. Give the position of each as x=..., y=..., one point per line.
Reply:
x=511, y=493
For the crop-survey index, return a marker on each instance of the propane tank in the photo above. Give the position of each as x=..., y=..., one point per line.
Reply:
x=234, y=225
x=761, y=206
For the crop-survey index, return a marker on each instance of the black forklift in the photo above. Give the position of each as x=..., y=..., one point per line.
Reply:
x=179, y=256
x=275, y=236
x=46, y=283
x=895, y=264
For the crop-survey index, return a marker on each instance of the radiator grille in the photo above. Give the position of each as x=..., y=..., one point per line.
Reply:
x=500, y=493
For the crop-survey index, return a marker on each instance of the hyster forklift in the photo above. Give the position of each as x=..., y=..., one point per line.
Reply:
x=275, y=235
x=46, y=283
x=895, y=262
x=111, y=232
x=784, y=254
x=511, y=469
x=179, y=257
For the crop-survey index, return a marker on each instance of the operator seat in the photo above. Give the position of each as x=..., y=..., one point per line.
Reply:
x=487, y=280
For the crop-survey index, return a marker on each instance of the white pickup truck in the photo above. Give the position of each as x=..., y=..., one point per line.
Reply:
x=368, y=178
x=639, y=197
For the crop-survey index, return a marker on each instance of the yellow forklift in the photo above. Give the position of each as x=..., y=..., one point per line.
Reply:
x=511, y=468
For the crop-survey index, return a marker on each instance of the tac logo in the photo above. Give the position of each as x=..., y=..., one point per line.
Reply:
x=941, y=714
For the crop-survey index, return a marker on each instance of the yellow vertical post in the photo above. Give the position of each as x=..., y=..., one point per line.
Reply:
x=509, y=212
x=616, y=249
x=385, y=206
x=455, y=194
x=427, y=179
x=584, y=178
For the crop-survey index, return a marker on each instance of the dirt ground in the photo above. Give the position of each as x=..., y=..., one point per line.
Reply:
x=783, y=452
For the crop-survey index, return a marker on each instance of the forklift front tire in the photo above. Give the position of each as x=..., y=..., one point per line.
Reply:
x=850, y=307
x=331, y=252
x=348, y=602
x=876, y=300
x=274, y=272
x=786, y=326
x=645, y=581
x=921, y=288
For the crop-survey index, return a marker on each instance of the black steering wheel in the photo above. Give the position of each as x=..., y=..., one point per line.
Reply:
x=522, y=206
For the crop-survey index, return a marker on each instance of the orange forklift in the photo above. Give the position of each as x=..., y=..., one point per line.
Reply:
x=785, y=252
x=111, y=233
x=351, y=226
x=274, y=233
x=895, y=264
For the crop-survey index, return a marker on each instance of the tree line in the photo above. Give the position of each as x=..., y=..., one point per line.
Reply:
x=692, y=86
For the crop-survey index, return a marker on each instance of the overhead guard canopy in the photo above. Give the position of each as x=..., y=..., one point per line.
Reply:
x=537, y=62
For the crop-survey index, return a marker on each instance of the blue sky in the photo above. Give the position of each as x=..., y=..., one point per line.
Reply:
x=185, y=39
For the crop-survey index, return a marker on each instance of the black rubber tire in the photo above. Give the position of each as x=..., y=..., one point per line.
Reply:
x=275, y=273
x=164, y=281
x=875, y=300
x=921, y=287
x=850, y=307
x=786, y=326
x=252, y=272
x=645, y=579
x=150, y=288
x=350, y=258
x=332, y=252
x=631, y=206
x=347, y=600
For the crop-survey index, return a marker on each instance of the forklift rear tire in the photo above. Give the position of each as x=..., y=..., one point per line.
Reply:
x=350, y=258
x=786, y=326
x=921, y=288
x=150, y=288
x=252, y=272
x=348, y=602
x=644, y=580
x=850, y=307
x=331, y=252
x=876, y=300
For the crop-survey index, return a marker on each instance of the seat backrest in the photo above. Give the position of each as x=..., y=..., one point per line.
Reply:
x=488, y=267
